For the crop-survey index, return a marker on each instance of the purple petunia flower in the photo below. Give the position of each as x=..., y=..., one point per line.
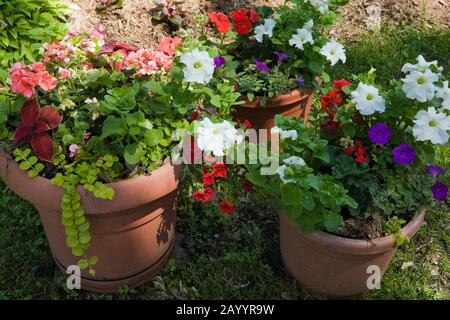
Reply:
x=300, y=81
x=379, y=133
x=219, y=61
x=440, y=191
x=434, y=170
x=281, y=56
x=403, y=154
x=262, y=66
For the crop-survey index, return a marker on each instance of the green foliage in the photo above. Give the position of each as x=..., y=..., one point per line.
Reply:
x=28, y=162
x=25, y=25
x=394, y=226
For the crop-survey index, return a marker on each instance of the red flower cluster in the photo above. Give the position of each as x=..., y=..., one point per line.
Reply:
x=25, y=79
x=358, y=151
x=243, y=20
x=220, y=21
x=330, y=102
x=36, y=123
x=219, y=170
x=334, y=98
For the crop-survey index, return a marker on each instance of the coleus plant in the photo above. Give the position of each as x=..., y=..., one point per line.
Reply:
x=278, y=50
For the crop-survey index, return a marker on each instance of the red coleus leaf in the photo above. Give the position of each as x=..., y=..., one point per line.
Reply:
x=22, y=133
x=112, y=46
x=50, y=116
x=35, y=123
x=42, y=144
x=30, y=112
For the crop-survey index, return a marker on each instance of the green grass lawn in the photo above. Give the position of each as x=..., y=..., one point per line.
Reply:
x=240, y=259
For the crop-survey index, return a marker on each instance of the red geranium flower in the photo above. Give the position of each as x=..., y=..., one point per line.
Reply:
x=203, y=196
x=34, y=126
x=332, y=99
x=220, y=169
x=248, y=124
x=338, y=84
x=220, y=21
x=208, y=179
x=247, y=186
x=254, y=16
x=227, y=207
x=242, y=21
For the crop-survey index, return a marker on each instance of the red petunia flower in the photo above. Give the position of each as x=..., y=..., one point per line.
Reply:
x=338, y=84
x=220, y=170
x=34, y=126
x=242, y=21
x=203, y=196
x=208, y=179
x=220, y=21
x=227, y=207
x=247, y=186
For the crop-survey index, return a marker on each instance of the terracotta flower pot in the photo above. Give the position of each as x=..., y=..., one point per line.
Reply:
x=333, y=266
x=293, y=104
x=132, y=235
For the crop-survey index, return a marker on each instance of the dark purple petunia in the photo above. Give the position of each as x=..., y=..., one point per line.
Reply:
x=219, y=61
x=434, y=170
x=281, y=56
x=379, y=133
x=403, y=154
x=262, y=66
x=440, y=191
x=300, y=81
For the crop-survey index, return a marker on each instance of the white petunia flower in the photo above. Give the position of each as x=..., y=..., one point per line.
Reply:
x=319, y=5
x=217, y=137
x=282, y=172
x=420, y=85
x=265, y=29
x=294, y=161
x=91, y=101
x=444, y=94
x=431, y=125
x=367, y=100
x=286, y=134
x=333, y=51
x=199, y=66
x=421, y=65
x=302, y=36
x=289, y=134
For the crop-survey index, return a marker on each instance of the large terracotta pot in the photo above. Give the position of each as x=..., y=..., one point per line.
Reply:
x=332, y=266
x=296, y=103
x=132, y=235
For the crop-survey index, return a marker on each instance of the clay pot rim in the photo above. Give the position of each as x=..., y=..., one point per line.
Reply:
x=359, y=246
x=91, y=204
x=281, y=100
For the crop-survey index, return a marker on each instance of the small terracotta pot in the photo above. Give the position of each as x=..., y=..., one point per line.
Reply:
x=293, y=104
x=132, y=234
x=332, y=266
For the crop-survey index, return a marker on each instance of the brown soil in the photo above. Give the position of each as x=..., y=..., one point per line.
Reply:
x=133, y=23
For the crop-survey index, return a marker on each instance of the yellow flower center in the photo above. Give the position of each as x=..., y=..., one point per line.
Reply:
x=197, y=65
x=370, y=96
x=216, y=132
x=421, y=81
x=433, y=123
